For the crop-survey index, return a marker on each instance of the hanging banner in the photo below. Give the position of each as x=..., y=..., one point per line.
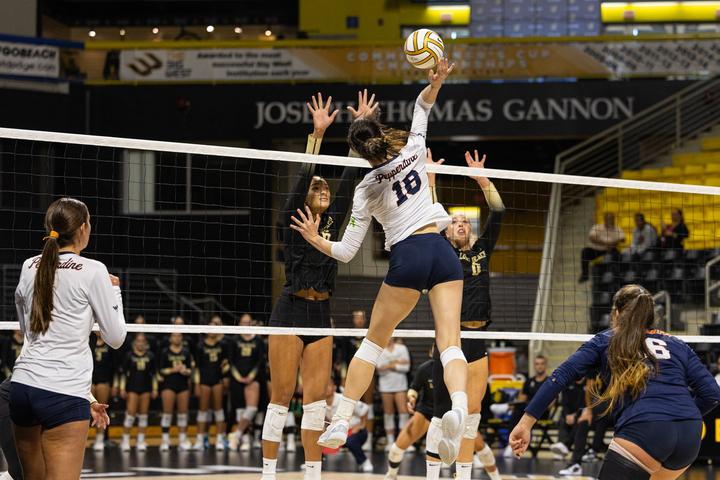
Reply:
x=29, y=60
x=474, y=61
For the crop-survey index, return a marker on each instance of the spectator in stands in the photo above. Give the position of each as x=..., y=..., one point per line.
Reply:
x=530, y=388
x=673, y=235
x=603, y=238
x=644, y=236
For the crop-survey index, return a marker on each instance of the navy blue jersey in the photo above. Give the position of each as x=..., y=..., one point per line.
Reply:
x=667, y=396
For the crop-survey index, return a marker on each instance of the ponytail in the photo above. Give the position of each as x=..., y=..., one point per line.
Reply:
x=374, y=141
x=42, y=303
x=62, y=220
x=629, y=359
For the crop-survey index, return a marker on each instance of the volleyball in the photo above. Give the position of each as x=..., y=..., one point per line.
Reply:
x=424, y=48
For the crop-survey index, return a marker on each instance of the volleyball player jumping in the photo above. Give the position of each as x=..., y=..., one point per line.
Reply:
x=396, y=193
x=305, y=302
x=658, y=418
x=474, y=253
x=59, y=296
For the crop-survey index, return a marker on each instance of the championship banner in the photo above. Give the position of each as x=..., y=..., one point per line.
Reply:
x=29, y=60
x=474, y=61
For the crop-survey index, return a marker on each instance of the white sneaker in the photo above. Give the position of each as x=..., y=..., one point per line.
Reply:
x=5, y=476
x=198, y=446
x=575, y=469
x=97, y=446
x=335, y=435
x=257, y=444
x=367, y=446
x=559, y=448
x=508, y=452
x=367, y=466
x=220, y=444
x=590, y=456
x=125, y=446
x=164, y=447
x=477, y=463
x=453, y=425
x=186, y=446
x=390, y=476
x=233, y=441
x=141, y=447
x=290, y=446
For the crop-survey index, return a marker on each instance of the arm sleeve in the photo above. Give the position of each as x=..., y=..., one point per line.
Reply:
x=706, y=389
x=297, y=195
x=344, y=194
x=404, y=367
x=421, y=115
x=355, y=232
x=575, y=367
x=106, y=303
x=491, y=230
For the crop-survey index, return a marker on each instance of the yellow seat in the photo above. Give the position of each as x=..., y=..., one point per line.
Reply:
x=712, y=181
x=669, y=172
x=631, y=174
x=693, y=169
x=695, y=158
x=650, y=173
x=712, y=168
x=710, y=143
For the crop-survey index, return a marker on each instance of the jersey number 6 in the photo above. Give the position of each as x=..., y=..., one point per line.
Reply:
x=658, y=348
x=412, y=185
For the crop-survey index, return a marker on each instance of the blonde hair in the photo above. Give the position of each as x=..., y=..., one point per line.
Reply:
x=630, y=361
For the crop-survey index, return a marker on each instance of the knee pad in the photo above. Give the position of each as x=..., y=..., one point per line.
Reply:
x=434, y=435
x=313, y=417
x=142, y=421
x=129, y=420
x=617, y=466
x=486, y=456
x=395, y=455
x=166, y=420
x=249, y=413
x=274, y=422
x=202, y=416
x=369, y=352
x=182, y=419
x=219, y=415
x=389, y=421
x=450, y=354
x=471, y=426
x=403, y=419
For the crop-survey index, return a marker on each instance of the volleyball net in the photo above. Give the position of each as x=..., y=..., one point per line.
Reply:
x=195, y=230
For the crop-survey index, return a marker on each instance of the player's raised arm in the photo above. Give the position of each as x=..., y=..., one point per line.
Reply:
x=429, y=94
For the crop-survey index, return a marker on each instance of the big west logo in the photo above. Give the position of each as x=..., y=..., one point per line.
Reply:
x=145, y=65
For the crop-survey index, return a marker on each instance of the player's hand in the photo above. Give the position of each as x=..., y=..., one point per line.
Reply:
x=100, y=418
x=322, y=117
x=570, y=419
x=519, y=439
x=411, y=405
x=307, y=225
x=477, y=162
x=366, y=108
x=442, y=70
x=114, y=280
x=430, y=161
x=586, y=416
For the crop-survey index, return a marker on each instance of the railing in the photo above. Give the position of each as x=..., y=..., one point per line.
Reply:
x=710, y=287
x=631, y=144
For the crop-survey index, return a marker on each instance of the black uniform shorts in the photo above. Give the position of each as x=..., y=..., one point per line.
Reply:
x=296, y=312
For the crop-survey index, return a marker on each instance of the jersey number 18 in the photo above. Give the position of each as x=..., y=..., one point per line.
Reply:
x=412, y=185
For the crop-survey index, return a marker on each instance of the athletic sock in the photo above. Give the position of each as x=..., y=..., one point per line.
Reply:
x=460, y=400
x=345, y=409
x=166, y=437
x=433, y=469
x=269, y=468
x=313, y=470
x=494, y=475
x=463, y=471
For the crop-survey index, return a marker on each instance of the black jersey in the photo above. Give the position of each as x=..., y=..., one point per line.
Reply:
x=422, y=383
x=573, y=397
x=211, y=362
x=531, y=387
x=139, y=373
x=103, y=362
x=247, y=357
x=476, y=271
x=305, y=266
x=12, y=352
x=169, y=360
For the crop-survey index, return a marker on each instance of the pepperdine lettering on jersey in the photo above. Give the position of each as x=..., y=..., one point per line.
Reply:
x=67, y=264
x=392, y=173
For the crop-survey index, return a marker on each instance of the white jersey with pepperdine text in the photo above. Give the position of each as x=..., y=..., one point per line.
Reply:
x=396, y=193
x=60, y=360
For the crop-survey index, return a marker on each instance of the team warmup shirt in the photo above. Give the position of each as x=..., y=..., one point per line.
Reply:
x=476, y=271
x=396, y=193
x=395, y=380
x=139, y=372
x=169, y=359
x=422, y=383
x=211, y=362
x=247, y=357
x=666, y=397
x=60, y=360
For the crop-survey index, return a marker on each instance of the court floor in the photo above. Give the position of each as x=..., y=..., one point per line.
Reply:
x=176, y=465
